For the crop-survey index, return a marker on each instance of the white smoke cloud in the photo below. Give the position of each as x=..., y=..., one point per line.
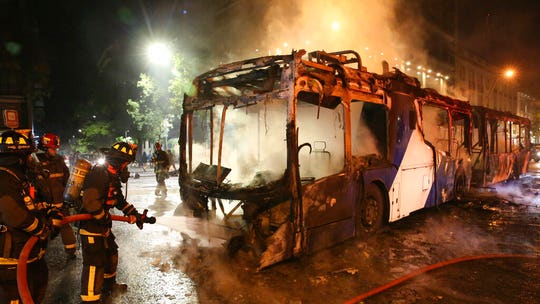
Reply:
x=526, y=192
x=364, y=25
x=377, y=30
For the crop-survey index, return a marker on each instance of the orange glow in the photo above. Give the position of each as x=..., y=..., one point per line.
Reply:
x=509, y=73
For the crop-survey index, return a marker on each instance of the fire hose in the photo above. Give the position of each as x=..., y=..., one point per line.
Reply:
x=22, y=281
x=432, y=267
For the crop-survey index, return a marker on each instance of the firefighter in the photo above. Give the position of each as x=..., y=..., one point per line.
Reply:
x=52, y=177
x=161, y=162
x=20, y=219
x=101, y=192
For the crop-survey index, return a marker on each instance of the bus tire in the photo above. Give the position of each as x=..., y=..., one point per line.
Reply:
x=372, y=209
x=460, y=186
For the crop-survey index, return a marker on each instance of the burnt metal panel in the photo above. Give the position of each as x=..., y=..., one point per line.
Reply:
x=328, y=200
x=325, y=236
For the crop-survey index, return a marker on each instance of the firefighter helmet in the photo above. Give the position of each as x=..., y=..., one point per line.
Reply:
x=49, y=141
x=15, y=143
x=121, y=151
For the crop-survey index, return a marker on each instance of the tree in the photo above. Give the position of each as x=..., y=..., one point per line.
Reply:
x=94, y=135
x=159, y=103
x=180, y=84
x=150, y=109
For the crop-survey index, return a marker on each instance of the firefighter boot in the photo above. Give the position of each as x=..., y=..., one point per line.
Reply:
x=70, y=254
x=117, y=289
x=113, y=289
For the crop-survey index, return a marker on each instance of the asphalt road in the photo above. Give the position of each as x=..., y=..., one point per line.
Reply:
x=146, y=261
x=181, y=259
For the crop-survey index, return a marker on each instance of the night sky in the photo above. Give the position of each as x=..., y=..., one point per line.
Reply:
x=94, y=49
x=507, y=34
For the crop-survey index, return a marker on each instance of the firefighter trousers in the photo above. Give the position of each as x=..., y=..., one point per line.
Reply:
x=68, y=239
x=37, y=276
x=100, y=260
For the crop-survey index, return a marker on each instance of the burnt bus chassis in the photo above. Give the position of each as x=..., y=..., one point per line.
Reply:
x=485, y=173
x=261, y=74
x=335, y=82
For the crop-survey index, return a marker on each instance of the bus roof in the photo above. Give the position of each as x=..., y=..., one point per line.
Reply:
x=330, y=77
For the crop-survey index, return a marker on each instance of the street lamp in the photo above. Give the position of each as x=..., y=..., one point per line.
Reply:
x=159, y=54
x=508, y=74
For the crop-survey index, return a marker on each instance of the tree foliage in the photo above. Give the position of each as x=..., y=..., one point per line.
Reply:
x=180, y=84
x=159, y=103
x=149, y=110
x=94, y=135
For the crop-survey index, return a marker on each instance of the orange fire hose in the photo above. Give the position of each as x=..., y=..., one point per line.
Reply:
x=22, y=280
x=432, y=267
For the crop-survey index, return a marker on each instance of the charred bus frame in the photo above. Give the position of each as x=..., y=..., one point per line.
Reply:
x=501, y=146
x=356, y=149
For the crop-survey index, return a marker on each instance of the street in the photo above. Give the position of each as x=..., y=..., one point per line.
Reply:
x=312, y=137
x=182, y=259
x=145, y=255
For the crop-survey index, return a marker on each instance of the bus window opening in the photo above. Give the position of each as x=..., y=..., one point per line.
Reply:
x=325, y=136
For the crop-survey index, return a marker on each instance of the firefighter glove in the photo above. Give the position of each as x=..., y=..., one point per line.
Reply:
x=44, y=232
x=139, y=221
x=55, y=217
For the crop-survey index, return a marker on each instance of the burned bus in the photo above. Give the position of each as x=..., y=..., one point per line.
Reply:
x=314, y=149
x=500, y=148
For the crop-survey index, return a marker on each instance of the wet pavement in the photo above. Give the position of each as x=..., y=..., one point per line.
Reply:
x=146, y=261
x=182, y=259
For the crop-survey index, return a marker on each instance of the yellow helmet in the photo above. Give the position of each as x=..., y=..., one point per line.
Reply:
x=15, y=143
x=121, y=151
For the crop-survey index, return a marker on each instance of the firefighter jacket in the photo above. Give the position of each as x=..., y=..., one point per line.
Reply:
x=20, y=217
x=161, y=161
x=51, y=178
x=102, y=191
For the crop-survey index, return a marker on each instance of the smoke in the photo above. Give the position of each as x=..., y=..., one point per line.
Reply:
x=253, y=142
x=435, y=126
x=526, y=192
x=363, y=140
x=365, y=26
x=325, y=135
x=377, y=30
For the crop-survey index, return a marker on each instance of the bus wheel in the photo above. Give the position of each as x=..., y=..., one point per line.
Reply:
x=372, y=209
x=460, y=187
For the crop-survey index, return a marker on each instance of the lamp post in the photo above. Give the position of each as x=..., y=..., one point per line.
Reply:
x=506, y=74
x=159, y=53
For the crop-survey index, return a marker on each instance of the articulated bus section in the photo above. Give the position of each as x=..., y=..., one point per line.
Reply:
x=314, y=149
x=501, y=146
